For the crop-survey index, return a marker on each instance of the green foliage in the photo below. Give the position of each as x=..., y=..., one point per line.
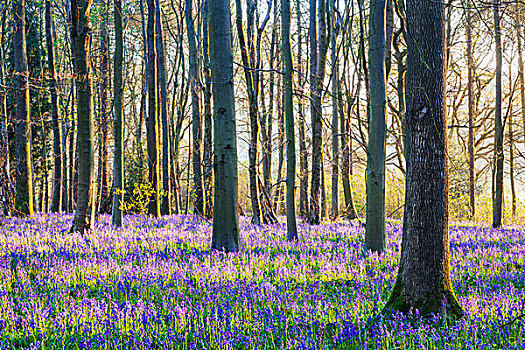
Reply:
x=137, y=202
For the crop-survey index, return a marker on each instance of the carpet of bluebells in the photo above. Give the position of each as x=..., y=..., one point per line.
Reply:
x=154, y=284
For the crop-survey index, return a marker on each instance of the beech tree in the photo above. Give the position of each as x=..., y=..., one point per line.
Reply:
x=423, y=280
x=80, y=38
x=225, y=229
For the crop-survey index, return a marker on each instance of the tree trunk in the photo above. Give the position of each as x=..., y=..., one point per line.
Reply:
x=24, y=180
x=80, y=33
x=208, y=127
x=152, y=124
x=335, y=111
x=375, y=236
x=291, y=221
x=251, y=85
x=196, y=114
x=497, y=202
x=423, y=280
x=317, y=102
x=163, y=94
x=118, y=130
x=56, y=203
x=471, y=114
x=105, y=195
x=225, y=218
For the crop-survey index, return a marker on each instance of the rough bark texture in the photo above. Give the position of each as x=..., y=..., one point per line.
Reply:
x=23, y=177
x=497, y=201
x=291, y=221
x=163, y=95
x=56, y=202
x=423, y=280
x=225, y=218
x=80, y=33
x=375, y=236
x=152, y=124
x=118, y=130
x=196, y=123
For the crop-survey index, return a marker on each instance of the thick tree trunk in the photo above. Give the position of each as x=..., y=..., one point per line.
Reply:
x=24, y=179
x=225, y=218
x=196, y=114
x=152, y=124
x=208, y=127
x=291, y=221
x=80, y=33
x=375, y=236
x=423, y=281
x=471, y=114
x=335, y=111
x=163, y=94
x=56, y=203
x=118, y=116
x=497, y=201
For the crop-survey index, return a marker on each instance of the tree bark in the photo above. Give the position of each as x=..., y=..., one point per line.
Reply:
x=196, y=114
x=291, y=221
x=118, y=116
x=152, y=124
x=497, y=201
x=471, y=113
x=208, y=126
x=56, y=202
x=423, y=281
x=80, y=33
x=163, y=94
x=24, y=179
x=225, y=218
x=335, y=111
x=375, y=236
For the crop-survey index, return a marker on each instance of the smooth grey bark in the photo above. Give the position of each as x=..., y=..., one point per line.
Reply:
x=152, y=124
x=118, y=116
x=497, y=199
x=196, y=123
x=80, y=38
x=22, y=119
x=375, y=235
x=303, y=153
x=423, y=280
x=56, y=202
x=163, y=95
x=335, y=23
x=208, y=126
x=225, y=234
x=291, y=220
x=317, y=102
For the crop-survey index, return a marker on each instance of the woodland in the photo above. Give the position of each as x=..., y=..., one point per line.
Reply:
x=262, y=174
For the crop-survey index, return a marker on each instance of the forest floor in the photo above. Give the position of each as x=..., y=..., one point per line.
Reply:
x=155, y=284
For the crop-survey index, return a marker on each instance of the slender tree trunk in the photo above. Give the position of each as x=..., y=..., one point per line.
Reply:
x=375, y=236
x=6, y=185
x=497, y=202
x=317, y=102
x=105, y=195
x=56, y=203
x=208, y=127
x=511, y=153
x=335, y=112
x=471, y=114
x=163, y=94
x=152, y=124
x=291, y=221
x=80, y=32
x=196, y=114
x=24, y=179
x=118, y=130
x=225, y=218
x=521, y=70
x=423, y=281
